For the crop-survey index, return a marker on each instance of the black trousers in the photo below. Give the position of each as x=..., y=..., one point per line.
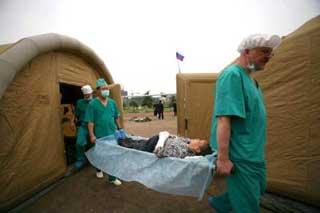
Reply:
x=160, y=115
x=143, y=145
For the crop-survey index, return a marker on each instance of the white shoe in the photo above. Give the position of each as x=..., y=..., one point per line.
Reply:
x=99, y=174
x=116, y=182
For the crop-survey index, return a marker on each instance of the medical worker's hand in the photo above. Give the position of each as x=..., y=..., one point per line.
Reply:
x=93, y=139
x=224, y=167
x=120, y=134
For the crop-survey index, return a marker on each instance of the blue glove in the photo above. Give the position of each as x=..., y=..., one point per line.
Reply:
x=120, y=134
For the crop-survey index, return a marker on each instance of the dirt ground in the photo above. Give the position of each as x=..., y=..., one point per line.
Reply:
x=150, y=128
x=83, y=192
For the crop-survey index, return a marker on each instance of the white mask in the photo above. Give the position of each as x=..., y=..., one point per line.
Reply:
x=105, y=93
x=252, y=67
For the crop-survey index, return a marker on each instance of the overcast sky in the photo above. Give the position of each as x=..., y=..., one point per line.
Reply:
x=137, y=39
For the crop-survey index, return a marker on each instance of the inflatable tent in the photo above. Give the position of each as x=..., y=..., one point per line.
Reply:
x=37, y=75
x=291, y=87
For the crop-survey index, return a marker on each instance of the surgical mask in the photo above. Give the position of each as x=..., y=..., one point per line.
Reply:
x=252, y=67
x=105, y=93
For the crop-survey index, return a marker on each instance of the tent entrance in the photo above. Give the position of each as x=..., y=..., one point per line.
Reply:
x=69, y=96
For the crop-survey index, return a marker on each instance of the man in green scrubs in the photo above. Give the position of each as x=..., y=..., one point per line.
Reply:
x=239, y=127
x=103, y=119
x=82, y=129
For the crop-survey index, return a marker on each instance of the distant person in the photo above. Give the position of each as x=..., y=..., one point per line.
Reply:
x=166, y=145
x=82, y=126
x=155, y=110
x=103, y=119
x=174, y=106
x=160, y=110
x=238, y=130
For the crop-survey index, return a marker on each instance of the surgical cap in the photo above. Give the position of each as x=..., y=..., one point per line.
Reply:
x=101, y=82
x=86, y=89
x=259, y=40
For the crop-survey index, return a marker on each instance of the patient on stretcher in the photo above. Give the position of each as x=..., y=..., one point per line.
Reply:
x=166, y=145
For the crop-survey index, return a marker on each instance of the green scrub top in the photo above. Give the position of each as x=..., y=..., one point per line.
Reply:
x=239, y=96
x=80, y=110
x=103, y=117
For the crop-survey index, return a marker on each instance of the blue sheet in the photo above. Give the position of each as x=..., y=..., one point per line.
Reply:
x=188, y=176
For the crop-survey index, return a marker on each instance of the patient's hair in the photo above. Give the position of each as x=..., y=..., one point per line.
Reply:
x=205, y=145
x=205, y=149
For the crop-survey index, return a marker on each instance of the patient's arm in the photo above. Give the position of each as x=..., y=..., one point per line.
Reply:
x=163, y=136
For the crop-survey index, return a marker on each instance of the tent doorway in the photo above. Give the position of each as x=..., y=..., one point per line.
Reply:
x=69, y=95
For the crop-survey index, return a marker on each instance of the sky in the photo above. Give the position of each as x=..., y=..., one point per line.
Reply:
x=138, y=40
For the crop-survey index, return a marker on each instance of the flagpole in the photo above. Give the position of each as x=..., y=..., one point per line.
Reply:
x=178, y=66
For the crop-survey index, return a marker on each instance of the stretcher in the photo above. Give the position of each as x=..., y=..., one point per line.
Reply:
x=190, y=176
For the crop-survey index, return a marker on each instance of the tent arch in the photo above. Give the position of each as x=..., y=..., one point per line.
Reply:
x=17, y=55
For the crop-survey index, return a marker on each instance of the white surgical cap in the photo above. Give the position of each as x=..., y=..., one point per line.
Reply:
x=86, y=89
x=259, y=40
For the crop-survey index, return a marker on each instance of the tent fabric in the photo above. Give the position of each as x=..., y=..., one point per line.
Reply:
x=30, y=155
x=16, y=56
x=291, y=87
x=32, y=144
x=188, y=176
x=194, y=94
x=4, y=47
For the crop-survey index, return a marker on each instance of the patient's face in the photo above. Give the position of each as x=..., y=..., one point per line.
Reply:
x=199, y=144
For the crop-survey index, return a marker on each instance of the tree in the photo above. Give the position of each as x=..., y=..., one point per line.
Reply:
x=133, y=104
x=147, y=101
x=172, y=101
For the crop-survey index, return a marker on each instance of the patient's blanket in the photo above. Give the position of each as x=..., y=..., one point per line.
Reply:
x=189, y=176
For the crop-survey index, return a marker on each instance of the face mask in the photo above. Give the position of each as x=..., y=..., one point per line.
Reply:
x=252, y=67
x=105, y=93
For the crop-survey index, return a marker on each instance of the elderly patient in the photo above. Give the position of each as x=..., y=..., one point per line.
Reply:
x=166, y=145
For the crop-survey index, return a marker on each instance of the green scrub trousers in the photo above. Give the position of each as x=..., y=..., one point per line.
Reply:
x=244, y=189
x=82, y=130
x=82, y=138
